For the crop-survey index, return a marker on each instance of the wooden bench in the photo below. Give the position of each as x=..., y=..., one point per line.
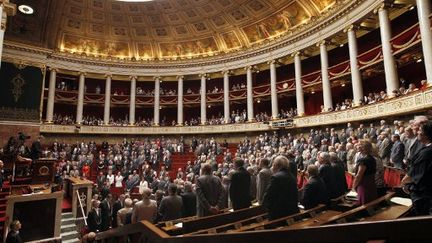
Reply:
x=311, y=213
x=235, y=225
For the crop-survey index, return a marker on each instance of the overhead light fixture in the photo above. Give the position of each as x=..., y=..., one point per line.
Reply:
x=258, y=101
x=343, y=84
x=419, y=60
x=341, y=45
x=25, y=9
x=412, y=7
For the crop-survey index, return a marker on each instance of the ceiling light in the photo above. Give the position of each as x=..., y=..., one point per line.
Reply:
x=411, y=8
x=343, y=85
x=258, y=101
x=25, y=9
x=419, y=60
x=341, y=45
x=313, y=92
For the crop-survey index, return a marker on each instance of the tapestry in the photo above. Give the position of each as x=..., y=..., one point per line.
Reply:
x=20, y=92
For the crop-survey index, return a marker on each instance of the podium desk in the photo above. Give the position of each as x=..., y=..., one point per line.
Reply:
x=84, y=189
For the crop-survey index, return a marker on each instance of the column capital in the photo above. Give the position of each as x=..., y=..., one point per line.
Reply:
x=298, y=53
x=157, y=78
x=273, y=61
x=203, y=75
x=248, y=67
x=82, y=74
x=352, y=27
x=108, y=75
x=226, y=72
x=322, y=43
x=385, y=5
x=178, y=77
x=133, y=77
x=53, y=69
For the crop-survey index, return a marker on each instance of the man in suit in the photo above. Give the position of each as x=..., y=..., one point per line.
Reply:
x=384, y=147
x=118, y=204
x=209, y=192
x=100, y=179
x=93, y=217
x=281, y=198
x=36, y=149
x=315, y=191
x=189, y=200
x=328, y=174
x=397, y=152
x=124, y=215
x=263, y=179
x=106, y=212
x=13, y=235
x=240, y=186
x=171, y=206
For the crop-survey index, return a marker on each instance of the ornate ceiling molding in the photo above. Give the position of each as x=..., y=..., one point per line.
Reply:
x=328, y=25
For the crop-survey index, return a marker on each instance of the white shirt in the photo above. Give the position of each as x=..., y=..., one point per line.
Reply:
x=118, y=181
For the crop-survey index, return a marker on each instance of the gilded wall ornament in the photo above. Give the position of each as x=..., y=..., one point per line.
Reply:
x=18, y=82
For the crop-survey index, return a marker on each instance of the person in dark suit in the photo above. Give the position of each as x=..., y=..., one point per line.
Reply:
x=100, y=179
x=171, y=206
x=240, y=186
x=315, y=191
x=209, y=192
x=418, y=181
x=397, y=152
x=93, y=217
x=281, y=198
x=328, y=174
x=118, y=204
x=263, y=179
x=36, y=149
x=106, y=212
x=189, y=200
x=13, y=235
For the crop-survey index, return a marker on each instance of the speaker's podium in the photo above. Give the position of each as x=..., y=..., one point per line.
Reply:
x=36, y=206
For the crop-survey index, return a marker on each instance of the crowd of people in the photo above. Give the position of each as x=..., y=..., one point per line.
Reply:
x=262, y=169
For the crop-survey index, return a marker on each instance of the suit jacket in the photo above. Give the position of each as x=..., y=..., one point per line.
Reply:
x=144, y=211
x=115, y=208
x=281, y=198
x=240, y=189
x=93, y=221
x=263, y=181
x=209, y=193
x=189, y=204
x=315, y=192
x=121, y=216
x=171, y=207
x=36, y=150
x=384, y=148
x=397, y=154
x=13, y=237
x=328, y=175
x=106, y=208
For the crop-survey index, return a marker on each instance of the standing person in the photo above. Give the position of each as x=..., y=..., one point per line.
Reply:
x=189, y=200
x=209, y=192
x=13, y=235
x=171, y=205
x=315, y=191
x=142, y=185
x=36, y=149
x=281, y=198
x=94, y=217
x=240, y=186
x=397, y=153
x=1, y=175
x=118, y=180
x=364, y=181
x=124, y=215
x=106, y=212
x=117, y=205
x=146, y=209
x=418, y=181
x=263, y=179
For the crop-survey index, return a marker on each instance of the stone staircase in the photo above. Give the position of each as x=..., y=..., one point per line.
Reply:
x=69, y=233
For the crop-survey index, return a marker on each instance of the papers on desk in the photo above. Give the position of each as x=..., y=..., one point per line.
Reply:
x=401, y=201
x=351, y=194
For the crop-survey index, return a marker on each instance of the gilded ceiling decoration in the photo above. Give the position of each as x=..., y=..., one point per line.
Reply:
x=162, y=29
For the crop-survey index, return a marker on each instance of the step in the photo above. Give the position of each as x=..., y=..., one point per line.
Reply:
x=67, y=221
x=68, y=228
x=67, y=215
x=69, y=235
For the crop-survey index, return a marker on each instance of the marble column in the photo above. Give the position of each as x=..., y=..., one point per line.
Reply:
x=226, y=96
x=51, y=95
x=356, y=80
x=80, y=104
x=107, y=105
x=390, y=69
x=424, y=10
x=180, y=100
x=249, y=86
x=273, y=90
x=3, y=19
x=327, y=95
x=132, y=100
x=203, y=99
x=298, y=83
x=156, y=101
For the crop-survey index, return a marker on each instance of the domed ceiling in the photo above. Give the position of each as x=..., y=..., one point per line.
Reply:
x=161, y=29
